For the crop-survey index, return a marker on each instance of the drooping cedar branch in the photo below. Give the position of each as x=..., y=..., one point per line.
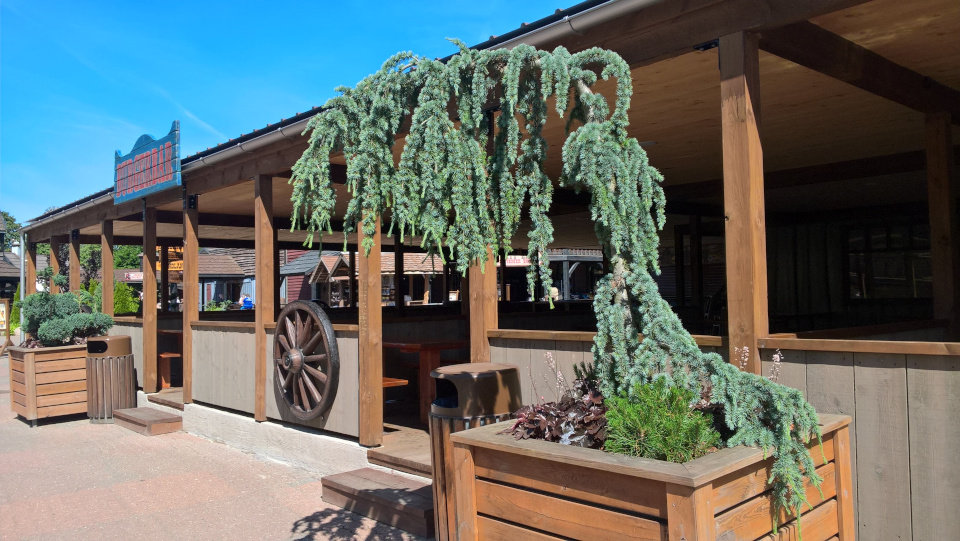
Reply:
x=459, y=198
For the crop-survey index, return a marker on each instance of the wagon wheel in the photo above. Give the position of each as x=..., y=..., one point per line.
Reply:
x=306, y=360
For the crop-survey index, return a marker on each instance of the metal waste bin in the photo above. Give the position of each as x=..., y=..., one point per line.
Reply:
x=468, y=395
x=111, y=384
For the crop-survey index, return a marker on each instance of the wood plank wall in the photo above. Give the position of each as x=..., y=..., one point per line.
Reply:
x=904, y=434
x=224, y=367
x=135, y=332
x=344, y=415
x=537, y=379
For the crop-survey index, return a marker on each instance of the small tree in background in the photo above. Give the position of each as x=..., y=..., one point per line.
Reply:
x=12, y=231
x=125, y=299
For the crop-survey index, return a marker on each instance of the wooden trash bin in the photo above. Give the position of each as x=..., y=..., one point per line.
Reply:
x=111, y=383
x=468, y=395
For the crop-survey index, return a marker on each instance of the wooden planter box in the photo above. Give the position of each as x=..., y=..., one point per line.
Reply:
x=509, y=489
x=47, y=382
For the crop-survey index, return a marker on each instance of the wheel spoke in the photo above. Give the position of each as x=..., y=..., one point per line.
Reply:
x=299, y=326
x=317, y=375
x=303, y=393
x=296, y=396
x=320, y=357
x=288, y=380
x=310, y=387
x=305, y=335
x=311, y=346
x=283, y=342
x=291, y=331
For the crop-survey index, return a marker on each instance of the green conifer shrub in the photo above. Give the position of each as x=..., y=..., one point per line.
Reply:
x=15, y=311
x=124, y=299
x=656, y=421
x=56, y=320
x=461, y=199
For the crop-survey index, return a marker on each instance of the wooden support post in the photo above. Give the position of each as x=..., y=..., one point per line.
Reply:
x=164, y=278
x=465, y=496
x=54, y=262
x=398, y=274
x=483, y=307
x=690, y=514
x=566, y=281
x=679, y=266
x=191, y=288
x=74, y=268
x=106, y=266
x=370, y=315
x=696, y=272
x=30, y=269
x=844, y=477
x=696, y=263
x=743, y=197
x=942, y=196
x=353, y=277
x=266, y=288
x=504, y=290
x=150, y=358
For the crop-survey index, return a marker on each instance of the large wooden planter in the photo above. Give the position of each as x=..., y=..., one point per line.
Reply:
x=47, y=382
x=509, y=489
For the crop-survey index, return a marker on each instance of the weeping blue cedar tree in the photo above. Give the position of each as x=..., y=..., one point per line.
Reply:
x=460, y=190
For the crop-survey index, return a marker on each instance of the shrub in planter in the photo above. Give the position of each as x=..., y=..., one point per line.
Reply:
x=55, y=319
x=65, y=331
x=462, y=185
x=657, y=422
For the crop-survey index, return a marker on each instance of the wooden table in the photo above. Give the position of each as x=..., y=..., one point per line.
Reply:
x=429, y=361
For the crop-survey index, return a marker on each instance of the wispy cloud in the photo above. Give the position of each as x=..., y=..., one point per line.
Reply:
x=166, y=95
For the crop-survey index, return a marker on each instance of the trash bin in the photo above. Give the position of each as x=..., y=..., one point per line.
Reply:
x=111, y=384
x=468, y=396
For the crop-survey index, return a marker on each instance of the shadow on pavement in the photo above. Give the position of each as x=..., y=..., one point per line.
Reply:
x=340, y=524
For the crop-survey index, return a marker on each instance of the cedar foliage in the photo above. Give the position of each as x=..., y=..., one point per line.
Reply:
x=461, y=190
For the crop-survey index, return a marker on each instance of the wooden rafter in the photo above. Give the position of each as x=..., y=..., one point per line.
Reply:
x=667, y=29
x=904, y=162
x=816, y=48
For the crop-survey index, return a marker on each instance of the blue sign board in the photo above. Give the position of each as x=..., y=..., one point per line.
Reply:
x=152, y=166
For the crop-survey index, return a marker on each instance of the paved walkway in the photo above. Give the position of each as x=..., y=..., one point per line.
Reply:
x=70, y=479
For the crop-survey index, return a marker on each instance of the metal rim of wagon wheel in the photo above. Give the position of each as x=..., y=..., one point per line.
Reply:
x=306, y=360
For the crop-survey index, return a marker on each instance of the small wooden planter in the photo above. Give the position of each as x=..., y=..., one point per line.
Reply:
x=47, y=382
x=509, y=489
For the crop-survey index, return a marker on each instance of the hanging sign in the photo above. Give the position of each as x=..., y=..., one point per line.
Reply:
x=152, y=166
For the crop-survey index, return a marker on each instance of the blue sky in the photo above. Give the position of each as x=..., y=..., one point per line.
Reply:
x=80, y=80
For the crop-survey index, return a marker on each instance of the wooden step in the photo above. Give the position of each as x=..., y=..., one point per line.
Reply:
x=171, y=397
x=408, y=460
x=148, y=421
x=385, y=497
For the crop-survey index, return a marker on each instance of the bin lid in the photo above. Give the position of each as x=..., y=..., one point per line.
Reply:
x=108, y=346
x=482, y=389
x=471, y=370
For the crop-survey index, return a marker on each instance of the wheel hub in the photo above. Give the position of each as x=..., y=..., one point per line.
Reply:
x=293, y=360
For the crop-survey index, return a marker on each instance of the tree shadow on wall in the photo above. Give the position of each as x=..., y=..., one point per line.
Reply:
x=340, y=524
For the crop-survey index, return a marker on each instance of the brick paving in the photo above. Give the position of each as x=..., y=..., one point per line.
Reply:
x=70, y=479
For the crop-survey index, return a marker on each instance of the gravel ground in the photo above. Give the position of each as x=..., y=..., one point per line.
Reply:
x=70, y=479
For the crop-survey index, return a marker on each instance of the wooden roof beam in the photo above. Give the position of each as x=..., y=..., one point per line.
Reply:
x=667, y=29
x=904, y=162
x=820, y=50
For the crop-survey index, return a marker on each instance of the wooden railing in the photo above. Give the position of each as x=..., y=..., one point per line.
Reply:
x=580, y=336
x=903, y=397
